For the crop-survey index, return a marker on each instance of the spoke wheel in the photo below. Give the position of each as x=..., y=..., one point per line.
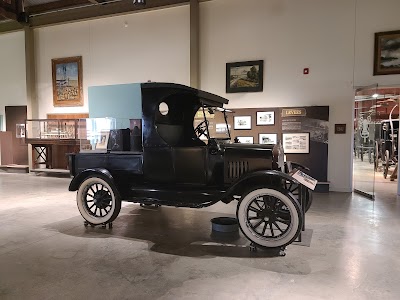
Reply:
x=269, y=218
x=97, y=201
x=294, y=189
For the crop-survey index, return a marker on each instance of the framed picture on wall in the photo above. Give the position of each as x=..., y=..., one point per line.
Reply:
x=296, y=142
x=387, y=53
x=246, y=76
x=67, y=81
x=268, y=138
x=245, y=139
x=241, y=122
x=265, y=118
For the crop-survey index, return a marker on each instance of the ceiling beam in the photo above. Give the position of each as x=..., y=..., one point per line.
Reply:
x=97, y=11
x=51, y=6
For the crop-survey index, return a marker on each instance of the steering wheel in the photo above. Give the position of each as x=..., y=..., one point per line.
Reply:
x=201, y=129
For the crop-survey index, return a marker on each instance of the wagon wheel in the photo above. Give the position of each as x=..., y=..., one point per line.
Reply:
x=294, y=189
x=98, y=201
x=264, y=220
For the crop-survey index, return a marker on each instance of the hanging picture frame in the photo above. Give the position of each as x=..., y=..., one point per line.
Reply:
x=387, y=53
x=245, y=76
x=265, y=118
x=241, y=122
x=245, y=139
x=67, y=81
x=268, y=138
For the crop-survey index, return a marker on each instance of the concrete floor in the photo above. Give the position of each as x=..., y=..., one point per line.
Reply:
x=367, y=180
x=47, y=253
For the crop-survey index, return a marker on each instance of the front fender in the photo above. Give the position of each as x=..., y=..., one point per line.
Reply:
x=100, y=172
x=271, y=177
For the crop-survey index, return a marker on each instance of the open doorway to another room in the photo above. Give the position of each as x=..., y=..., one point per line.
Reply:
x=376, y=131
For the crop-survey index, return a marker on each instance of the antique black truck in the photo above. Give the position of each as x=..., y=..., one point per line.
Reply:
x=170, y=160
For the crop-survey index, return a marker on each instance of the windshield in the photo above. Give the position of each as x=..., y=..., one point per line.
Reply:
x=211, y=124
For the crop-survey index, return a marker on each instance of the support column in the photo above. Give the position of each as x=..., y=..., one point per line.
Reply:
x=31, y=91
x=194, y=44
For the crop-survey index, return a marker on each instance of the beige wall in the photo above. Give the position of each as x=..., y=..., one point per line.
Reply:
x=12, y=71
x=288, y=35
x=154, y=46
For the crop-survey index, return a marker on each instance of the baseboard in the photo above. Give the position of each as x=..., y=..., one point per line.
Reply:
x=322, y=187
x=14, y=168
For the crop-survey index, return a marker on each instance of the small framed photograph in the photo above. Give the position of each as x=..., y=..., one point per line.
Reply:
x=103, y=140
x=296, y=142
x=267, y=138
x=242, y=122
x=387, y=53
x=245, y=139
x=245, y=76
x=265, y=118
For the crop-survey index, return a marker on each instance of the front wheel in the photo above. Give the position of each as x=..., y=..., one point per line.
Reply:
x=269, y=217
x=97, y=201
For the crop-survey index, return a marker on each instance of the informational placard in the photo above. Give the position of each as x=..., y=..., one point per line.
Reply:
x=296, y=142
x=304, y=179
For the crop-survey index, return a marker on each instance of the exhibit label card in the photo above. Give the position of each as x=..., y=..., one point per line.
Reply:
x=305, y=179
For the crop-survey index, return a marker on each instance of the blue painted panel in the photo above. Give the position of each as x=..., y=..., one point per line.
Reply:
x=121, y=101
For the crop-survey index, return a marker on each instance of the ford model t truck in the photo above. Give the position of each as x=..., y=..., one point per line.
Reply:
x=170, y=160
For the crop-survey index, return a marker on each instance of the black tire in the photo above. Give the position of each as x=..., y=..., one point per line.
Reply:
x=96, y=196
x=269, y=214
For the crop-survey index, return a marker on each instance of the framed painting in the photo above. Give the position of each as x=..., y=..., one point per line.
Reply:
x=268, y=138
x=245, y=139
x=67, y=81
x=387, y=53
x=265, y=118
x=241, y=122
x=244, y=76
x=296, y=142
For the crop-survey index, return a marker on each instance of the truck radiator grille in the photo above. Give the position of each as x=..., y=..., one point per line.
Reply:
x=237, y=168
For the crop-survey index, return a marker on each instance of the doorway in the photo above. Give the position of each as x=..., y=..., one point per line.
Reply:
x=376, y=130
x=15, y=123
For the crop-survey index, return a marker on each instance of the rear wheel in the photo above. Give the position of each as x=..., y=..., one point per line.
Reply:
x=269, y=217
x=97, y=201
x=294, y=190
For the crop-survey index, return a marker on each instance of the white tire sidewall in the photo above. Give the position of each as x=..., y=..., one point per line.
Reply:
x=80, y=199
x=251, y=235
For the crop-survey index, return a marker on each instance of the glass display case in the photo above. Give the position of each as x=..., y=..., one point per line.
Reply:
x=94, y=133
x=51, y=129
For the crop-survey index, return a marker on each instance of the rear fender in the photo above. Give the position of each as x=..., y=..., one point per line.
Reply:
x=266, y=178
x=99, y=172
